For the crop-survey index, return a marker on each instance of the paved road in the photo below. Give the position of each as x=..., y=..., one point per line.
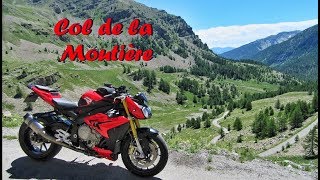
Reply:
x=291, y=140
x=215, y=122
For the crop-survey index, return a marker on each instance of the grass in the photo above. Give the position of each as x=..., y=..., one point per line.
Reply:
x=246, y=154
x=12, y=121
x=10, y=137
x=251, y=86
x=308, y=164
x=8, y=106
x=192, y=140
x=167, y=116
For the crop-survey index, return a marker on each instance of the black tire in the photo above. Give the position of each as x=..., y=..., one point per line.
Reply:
x=145, y=172
x=25, y=144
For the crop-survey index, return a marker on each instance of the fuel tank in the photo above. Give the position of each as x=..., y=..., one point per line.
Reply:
x=88, y=97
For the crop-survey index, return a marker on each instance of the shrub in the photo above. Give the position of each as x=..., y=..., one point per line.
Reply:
x=239, y=139
x=237, y=125
x=19, y=93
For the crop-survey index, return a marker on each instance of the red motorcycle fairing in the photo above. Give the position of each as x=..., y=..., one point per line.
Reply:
x=102, y=123
x=88, y=97
x=47, y=96
x=104, y=153
x=134, y=108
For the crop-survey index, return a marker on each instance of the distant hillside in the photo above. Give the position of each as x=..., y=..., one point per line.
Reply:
x=220, y=50
x=297, y=56
x=247, y=51
x=28, y=35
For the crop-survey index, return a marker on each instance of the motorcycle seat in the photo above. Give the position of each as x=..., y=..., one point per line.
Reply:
x=62, y=103
x=46, y=88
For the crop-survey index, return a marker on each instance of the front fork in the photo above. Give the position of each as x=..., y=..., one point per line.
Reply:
x=134, y=124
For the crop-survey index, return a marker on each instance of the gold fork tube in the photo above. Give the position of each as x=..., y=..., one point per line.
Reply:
x=132, y=125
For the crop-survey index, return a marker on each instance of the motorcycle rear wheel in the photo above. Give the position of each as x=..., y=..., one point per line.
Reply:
x=35, y=146
x=156, y=152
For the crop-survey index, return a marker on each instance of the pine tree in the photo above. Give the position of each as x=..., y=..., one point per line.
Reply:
x=197, y=123
x=315, y=103
x=180, y=97
x=153, y=78
x=259, y=124
x=282, y=123
x=271, y=127
x=173, y=130
x=304, y=108
x=161, y=85
x=207, y=123
x=277, y=104
x=229, y=127
x=296, y=118
x=248, y=106
x=205, y=116
x=193, y=123
x=311, y=143
x=271, y=112
x=164, y=86
x=221, y=132
x=179, y=128
x=230, y=106
x=188, y=123
x=195, y=99
x=237, y=125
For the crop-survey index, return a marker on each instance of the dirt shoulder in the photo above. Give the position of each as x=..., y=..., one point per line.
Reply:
x=72, y=165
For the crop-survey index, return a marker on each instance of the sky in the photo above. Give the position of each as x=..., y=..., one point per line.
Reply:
x=232, y=23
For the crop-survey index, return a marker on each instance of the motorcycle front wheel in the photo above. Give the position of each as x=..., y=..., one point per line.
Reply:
x=156, y=155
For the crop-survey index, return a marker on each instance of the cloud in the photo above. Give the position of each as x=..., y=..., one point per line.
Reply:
x=235, y=36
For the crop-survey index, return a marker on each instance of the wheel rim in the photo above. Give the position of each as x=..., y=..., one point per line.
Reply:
x=37, y=144
x=152, y=158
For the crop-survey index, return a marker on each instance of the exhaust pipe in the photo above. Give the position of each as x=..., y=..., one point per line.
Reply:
x=39, y=129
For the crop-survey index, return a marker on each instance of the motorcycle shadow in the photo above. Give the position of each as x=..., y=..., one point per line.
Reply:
x=26, y=168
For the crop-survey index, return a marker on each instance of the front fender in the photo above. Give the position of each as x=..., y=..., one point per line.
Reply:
x=147, y=131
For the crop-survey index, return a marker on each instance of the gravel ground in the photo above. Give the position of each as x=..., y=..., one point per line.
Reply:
x=72, y=165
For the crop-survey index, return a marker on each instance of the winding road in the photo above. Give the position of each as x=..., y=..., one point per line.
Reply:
x=215, y=122
x=291, y=140
x=270, y=151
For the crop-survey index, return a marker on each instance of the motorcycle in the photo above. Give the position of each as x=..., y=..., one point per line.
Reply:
x=104, y=123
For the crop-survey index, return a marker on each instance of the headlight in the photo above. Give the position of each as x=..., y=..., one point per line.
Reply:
x=146, y=112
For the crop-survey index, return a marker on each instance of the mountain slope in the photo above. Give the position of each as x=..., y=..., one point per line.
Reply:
x=297, y=56
x=248, y=50
x=28, y=35
x=173, y=40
